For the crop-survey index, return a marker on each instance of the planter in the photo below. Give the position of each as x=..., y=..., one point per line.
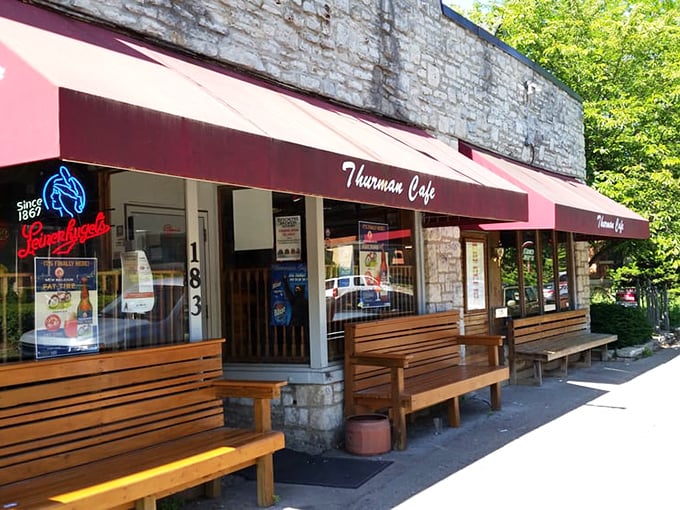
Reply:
x=368, y=434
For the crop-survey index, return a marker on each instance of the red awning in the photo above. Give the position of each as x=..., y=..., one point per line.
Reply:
x=564, y=204
x=70, y=90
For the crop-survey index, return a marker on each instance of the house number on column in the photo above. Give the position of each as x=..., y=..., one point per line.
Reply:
x=195, y=281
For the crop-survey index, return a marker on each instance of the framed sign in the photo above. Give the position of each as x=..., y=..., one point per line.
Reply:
x=475, y=275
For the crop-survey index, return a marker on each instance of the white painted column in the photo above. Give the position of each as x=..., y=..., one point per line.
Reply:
x=318, y=345
x=195, y=279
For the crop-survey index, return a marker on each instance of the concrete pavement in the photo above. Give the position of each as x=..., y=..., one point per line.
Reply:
x=607, y=436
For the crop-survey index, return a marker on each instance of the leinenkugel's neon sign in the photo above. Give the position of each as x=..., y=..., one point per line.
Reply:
x=64, y=194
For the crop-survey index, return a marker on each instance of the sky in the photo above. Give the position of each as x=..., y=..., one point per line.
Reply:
x=463, y=4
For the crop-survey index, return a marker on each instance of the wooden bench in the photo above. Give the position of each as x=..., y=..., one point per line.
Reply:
x=120, y=430
x=553, y=336
x=406, y=364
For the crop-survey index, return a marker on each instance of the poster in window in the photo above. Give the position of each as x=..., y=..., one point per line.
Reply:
x=137, y=282
x=474, y=265
x=289, y=295
x=65, y=307
x=373, y=265
x=343, y=258
x=288, y=238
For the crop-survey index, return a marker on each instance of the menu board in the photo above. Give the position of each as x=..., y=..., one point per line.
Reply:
x=474, y=266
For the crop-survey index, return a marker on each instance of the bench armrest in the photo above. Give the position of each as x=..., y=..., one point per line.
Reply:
x=388, y=360
x=248, y=389
x=492, y=343
x=262, y=392
x=492, y=340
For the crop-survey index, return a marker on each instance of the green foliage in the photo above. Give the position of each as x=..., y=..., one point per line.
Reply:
x=623, y=59
x=628, y=322
x=601, y=295
x=17, y=320
x=674, y=309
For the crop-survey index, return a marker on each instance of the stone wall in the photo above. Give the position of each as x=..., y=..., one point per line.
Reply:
x=582, y=274
x=311, y=415
x=443, y=269
x=400, y=58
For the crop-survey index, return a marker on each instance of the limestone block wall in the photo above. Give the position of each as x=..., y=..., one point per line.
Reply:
x=311, y=415
x=581, y=274
x=443, y=269
x=399, y=58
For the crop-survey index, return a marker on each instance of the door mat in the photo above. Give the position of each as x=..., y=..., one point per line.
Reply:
x=305, y=469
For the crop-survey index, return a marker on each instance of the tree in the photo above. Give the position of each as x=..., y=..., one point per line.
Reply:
x=623, y=59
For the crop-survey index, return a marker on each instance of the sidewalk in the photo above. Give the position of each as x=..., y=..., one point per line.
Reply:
x=603, y=437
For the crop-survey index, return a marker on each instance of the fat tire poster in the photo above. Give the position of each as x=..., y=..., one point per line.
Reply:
x=59, y=284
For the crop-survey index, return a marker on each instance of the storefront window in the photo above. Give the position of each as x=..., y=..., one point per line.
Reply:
x=550, y=298
x=369, y=272
x=76, y=276
x=512, y=297
x=528, y=291
x=266, y=287
x=370, y=265
x=563, y=250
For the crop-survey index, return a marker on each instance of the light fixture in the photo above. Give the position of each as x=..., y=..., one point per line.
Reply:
x=498, y=253
x=531, y=87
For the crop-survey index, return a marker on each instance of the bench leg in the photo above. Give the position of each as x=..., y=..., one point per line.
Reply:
x=564, y=366
x=213, y=488
x=538, y=372
x=454, y=412
x=605, y=353
x=399, y=423
x=147, y=503
x=495, y=390
x=265, y=480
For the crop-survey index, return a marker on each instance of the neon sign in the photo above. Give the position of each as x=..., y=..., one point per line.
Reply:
x=61, y=241
x=64, y=194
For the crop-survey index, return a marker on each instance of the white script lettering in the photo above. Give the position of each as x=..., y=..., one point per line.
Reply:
x=426, y=192
x=370, y=181
x=617, y=224
x=359, y=178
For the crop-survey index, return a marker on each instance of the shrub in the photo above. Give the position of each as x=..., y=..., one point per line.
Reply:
x=674, y=309
x=628, y=322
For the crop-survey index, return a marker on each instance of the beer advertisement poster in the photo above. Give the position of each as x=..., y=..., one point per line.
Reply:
x=65, y=306
x=373, y=264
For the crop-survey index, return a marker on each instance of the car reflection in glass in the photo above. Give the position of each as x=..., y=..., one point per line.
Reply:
x=512, y=301
x=164, y=323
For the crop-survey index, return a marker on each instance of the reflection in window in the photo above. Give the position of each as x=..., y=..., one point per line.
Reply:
x=510, y=275
x=370, y=266
x=548, y=272
x=529, y=270
x=565, y=291
x=42, y=284
x=530, y=261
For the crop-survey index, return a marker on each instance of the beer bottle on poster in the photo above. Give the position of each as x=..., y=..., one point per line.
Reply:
x=84, y=310
x=383, y=268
